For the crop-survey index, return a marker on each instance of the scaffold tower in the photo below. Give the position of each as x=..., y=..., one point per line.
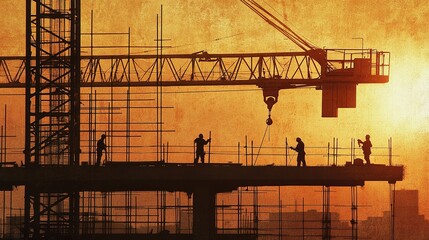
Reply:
x=52, y=112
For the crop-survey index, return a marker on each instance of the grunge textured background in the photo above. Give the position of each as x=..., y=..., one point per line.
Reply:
x=399, y=109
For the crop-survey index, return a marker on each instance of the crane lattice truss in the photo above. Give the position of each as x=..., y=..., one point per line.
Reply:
x=269, y=71
x=52, y=111
x=289, y=69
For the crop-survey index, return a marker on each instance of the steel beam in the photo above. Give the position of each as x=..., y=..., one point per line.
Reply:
x=279, y=69
x=177, y=177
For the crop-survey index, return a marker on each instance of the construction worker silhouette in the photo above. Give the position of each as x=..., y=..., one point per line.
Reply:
x=101, y=146
x=199, y=148
x=301, y=153
x=366, y=148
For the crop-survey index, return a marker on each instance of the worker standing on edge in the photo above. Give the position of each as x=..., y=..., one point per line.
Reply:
x=101, y=145
x=301, y=153
x=199, y=150
x=366, y=148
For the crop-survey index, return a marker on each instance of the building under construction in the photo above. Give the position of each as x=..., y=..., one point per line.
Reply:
x=143, y=189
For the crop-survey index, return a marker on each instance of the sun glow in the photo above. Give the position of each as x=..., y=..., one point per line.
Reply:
x=408, y=99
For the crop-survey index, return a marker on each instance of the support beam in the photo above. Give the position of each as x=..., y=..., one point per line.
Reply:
x=354, y=209
x=186, y=177
x=204, y=215
x=392, y=191
x=326, y=221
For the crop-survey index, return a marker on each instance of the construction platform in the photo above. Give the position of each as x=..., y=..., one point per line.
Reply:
x=202, y=181
x=158, y=236
x=187, y=177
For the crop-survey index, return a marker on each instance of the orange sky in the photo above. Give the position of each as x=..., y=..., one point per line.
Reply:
x=398, y=109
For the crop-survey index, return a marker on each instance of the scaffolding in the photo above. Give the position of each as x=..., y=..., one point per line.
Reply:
x=58, y=133
x=52, y=111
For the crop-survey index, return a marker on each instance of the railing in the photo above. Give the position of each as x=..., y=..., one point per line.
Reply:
x=379, y=61
x=251, y=154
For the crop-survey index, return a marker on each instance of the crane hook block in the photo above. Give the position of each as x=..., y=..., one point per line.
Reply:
x=270, y=102
x=270, y=97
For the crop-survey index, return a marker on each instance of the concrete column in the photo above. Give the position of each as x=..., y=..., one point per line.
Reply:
x=204, y=215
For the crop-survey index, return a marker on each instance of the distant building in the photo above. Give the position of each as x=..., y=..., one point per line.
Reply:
x=185, y=221
x=409, y=225
x=14, y=226
x=302, y=225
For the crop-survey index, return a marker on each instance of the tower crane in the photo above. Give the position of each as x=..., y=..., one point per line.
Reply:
x=55, y=71
x=336, y=72
x=338, y=77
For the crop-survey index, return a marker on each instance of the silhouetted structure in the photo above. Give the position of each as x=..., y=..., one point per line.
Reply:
x=366, y=148
x=409, y=225
x=199, y=143
x=303, y=225
x=301, y=153
x=101, y=146
x=52, y=112
x=53, y=77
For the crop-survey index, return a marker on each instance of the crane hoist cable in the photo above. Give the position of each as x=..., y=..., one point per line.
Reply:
x=260, y=146
x=267, y=129
x=279, y=25
x=270, y=91
x=317, y=53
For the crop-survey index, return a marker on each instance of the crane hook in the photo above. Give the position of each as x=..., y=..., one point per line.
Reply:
x=269, y=121
x=270, y=98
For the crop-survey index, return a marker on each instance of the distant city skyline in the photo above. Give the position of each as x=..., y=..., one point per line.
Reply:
x=296, y=223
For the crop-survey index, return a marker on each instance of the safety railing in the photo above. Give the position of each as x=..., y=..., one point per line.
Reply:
x=379, y=61
x=251, y=154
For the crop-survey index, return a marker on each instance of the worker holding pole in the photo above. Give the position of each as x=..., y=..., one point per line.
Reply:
x=199, y=148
